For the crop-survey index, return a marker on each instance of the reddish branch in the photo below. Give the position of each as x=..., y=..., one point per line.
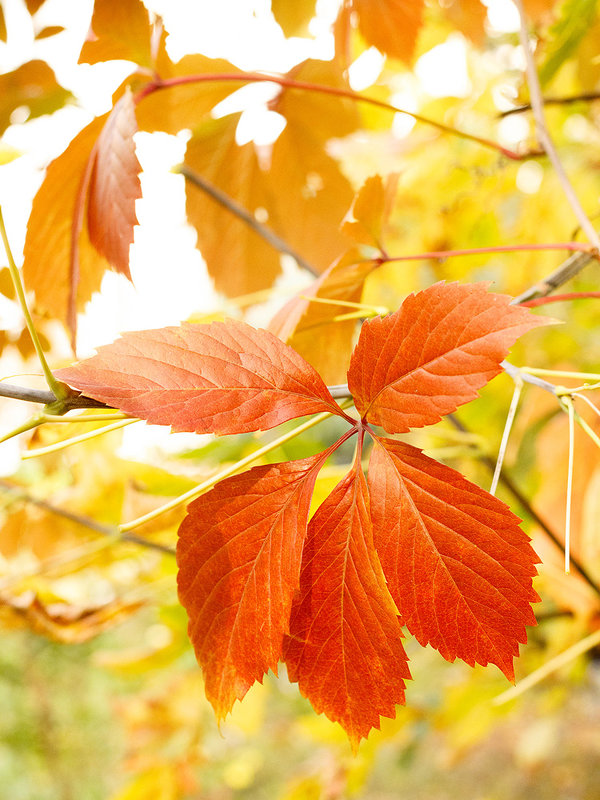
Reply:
x=290, y=83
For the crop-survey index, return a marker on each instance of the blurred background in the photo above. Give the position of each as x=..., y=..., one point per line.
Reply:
x=100, y=693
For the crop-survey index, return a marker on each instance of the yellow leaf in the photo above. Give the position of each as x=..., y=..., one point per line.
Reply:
x=157, y=783
x=120, y=30
x=371, y=210
x=33, y=5
x=33, y=85
x=48, y=246
x=186, y=104
x=293, y=18
x=2, y=26
x=468, y=16
x=62, y=622
x=238, y=260
x=307, y=325
x=392, y=26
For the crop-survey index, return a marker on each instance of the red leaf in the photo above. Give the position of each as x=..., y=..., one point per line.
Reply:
x=239, y=553
x=432, y=355
x=457, y=564
x=226, y=377
x=115, y=186
x=344, y=647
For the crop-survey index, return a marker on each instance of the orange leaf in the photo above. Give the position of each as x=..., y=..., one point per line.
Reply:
x=115, y=186
x=49, y=243
x=345, y=644
x=433, y=354
x=183, y=105
x=457, y=564
x=2, y=26
x=311, y=327
x=33, y=85
x=226, y=377
x=239, y=553
x=230, y=248
x=50, y=30
x=120, y=29
x=468, y=16
x=33, y=5
x=391, y=26
x=293, y=18
x=371, y=210
x=307, y=215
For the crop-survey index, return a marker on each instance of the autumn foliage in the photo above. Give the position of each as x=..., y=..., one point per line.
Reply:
x=418, y=546
x=395, y=328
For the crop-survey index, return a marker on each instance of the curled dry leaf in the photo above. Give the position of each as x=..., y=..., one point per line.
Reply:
x=418, y=545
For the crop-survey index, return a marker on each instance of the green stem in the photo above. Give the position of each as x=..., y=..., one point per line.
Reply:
x=226, y=473
x=34, y=422
x=83, y=437
x=60, y=389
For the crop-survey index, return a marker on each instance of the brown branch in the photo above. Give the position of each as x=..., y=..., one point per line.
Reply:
x=584, y=97
x=569, y=268
x=105, y=530
x=241, y=213
x=48, y=398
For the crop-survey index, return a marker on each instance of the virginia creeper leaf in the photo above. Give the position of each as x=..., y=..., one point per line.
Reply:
x=34, y=85
x=115, y=186
x=457, y=564
x=120, y=29
x=391, y=26
x=433, y=354
x=226, y=377
x=307, y=325
x=239, y=552
x=293, y=18
x=345, y=643
x=49, y=241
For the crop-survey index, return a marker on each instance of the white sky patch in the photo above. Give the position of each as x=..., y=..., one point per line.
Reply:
x=503, y=16
x=406, y=97
x=529, y=177
x=366, y=69
x=513, y=129
x=443, y=70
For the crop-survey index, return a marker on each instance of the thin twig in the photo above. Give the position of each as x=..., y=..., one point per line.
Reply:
x=241, y=213
x=584, y=97
x=335, y=91
x=569, y=268
x=48, y=398
x=105, y=530
x=506, y=433
x=537, y=106
x=538, y=675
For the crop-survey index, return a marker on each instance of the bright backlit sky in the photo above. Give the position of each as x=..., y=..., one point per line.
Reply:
x=170, y=282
